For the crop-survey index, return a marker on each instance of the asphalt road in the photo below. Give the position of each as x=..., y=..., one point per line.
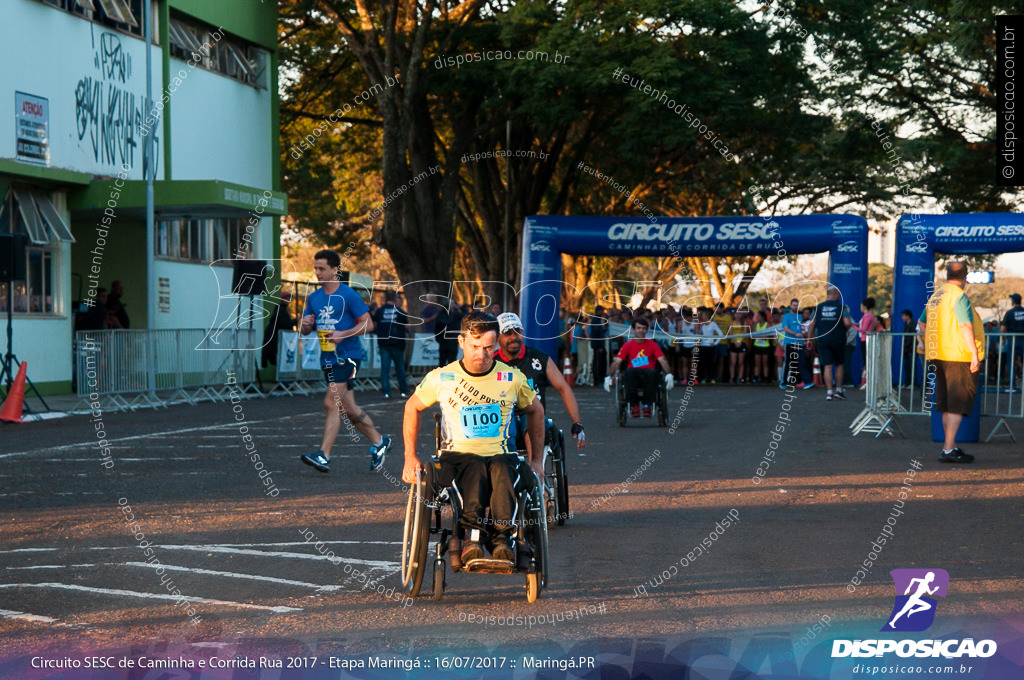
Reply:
x=73, y=575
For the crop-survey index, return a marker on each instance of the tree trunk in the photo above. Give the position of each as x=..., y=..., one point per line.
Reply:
x=420, y=184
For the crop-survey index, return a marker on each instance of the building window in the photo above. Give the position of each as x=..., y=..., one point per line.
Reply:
x=207, y=47
x=40, y=280
x=84, y=8
x=187, y=42
x=31, y=212
x=204, y=241
x=121, y=15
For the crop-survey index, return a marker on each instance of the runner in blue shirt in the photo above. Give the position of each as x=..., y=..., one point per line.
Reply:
x=339, y=316
x=793, y=344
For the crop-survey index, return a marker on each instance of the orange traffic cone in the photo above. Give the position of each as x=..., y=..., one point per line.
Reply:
x=567, y=372
x=11, y=411
x=817, y=372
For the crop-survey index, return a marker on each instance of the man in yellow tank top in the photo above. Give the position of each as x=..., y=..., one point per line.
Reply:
x=477, y=396
x=954, y=345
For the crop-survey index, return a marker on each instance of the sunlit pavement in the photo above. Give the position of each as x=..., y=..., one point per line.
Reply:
x=74, y=568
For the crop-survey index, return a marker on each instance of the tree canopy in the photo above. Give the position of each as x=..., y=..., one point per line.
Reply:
x=436, y=127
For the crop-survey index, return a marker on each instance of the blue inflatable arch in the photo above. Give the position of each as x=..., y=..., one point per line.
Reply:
x=546, y=237
x=920, y=237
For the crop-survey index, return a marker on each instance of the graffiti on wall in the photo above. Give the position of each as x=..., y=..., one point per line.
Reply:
x=107, y=112
x=112, y=60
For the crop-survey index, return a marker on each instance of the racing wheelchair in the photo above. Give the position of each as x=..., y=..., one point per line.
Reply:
x=659, y=407
x=433, y=509
x=555, y=477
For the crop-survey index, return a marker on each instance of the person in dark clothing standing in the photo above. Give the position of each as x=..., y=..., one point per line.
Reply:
x=391, y=322
x=540, y=371
x=448, y=317
x=907, y=348
x=96, y=318
x=1013, y=347
x=429, y=313
x=280, y=320
x=828, y=330
x=115, y=306
x=598, y=330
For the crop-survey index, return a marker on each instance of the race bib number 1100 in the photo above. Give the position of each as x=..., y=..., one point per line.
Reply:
x=482, y=420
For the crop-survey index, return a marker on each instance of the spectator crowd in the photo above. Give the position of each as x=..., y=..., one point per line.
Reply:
x=706, y=345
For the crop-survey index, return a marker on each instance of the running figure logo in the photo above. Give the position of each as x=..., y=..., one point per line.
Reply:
x=914, y=610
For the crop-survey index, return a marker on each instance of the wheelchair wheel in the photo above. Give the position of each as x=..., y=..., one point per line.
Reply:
x=416, y=533
x=663, y=407
x=438, y=579
x=620, y=401
x=532, y=587
x=562, y=481
x=551, y=481
x=536, y=532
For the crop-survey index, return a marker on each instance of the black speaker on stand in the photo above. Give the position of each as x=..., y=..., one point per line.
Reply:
x=249, y=278
x=12, y=257
x=13, y=268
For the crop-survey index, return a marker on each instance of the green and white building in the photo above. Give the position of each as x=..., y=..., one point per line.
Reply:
x=74, y=116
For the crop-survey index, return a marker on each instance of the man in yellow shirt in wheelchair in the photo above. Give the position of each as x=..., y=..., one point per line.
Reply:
x=477, y=396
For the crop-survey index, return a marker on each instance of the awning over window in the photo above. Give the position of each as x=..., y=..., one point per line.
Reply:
x=43, y=222
x=175, y=198
x=52, y=217
x=30, y=217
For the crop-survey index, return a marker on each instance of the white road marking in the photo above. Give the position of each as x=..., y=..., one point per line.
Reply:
x=8, y=614
x=237, y=545
x=32, y=417
x=55, y=566
x=269, y=434
x=261, y=553
x=230, y=574
x=118, y=459
x=243, y=545
x=14, y=550
x=205, y=428
x=149, y=596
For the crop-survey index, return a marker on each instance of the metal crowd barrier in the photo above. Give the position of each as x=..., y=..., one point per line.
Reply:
x=126, y=369
x=584, y=355
x=298, y=363
x=295, y=373
x=882, y=403
x=898, y=383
